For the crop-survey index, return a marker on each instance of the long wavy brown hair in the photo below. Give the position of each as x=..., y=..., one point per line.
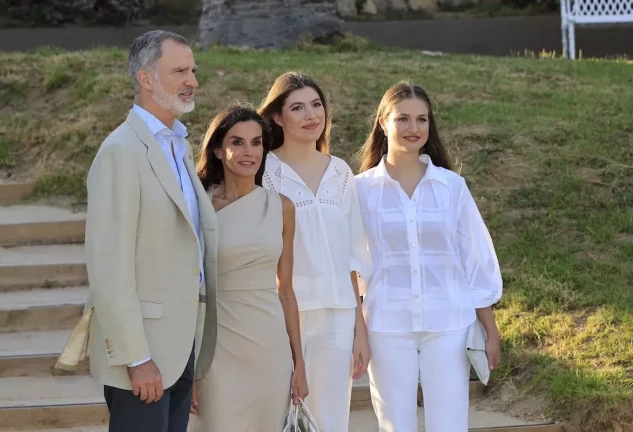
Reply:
x=376, y=145
x=276, y=98
x=209, y=168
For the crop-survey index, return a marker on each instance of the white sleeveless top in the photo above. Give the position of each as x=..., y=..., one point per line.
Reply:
x=329, y=239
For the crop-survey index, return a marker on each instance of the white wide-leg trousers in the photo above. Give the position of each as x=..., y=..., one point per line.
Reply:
x=327, y=337
x=440, y=360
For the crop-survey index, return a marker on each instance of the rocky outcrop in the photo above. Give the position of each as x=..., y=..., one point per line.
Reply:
x=346, y=8
x=423, y=5
x=267, y=23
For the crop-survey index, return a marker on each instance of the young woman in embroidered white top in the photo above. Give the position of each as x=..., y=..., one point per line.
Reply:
x=434, y=268
x=329, y=247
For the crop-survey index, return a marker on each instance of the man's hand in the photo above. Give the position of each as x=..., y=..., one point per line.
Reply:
x=146, y=382
x=194, y=399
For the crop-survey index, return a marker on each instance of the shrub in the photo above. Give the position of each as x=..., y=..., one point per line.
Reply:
x=58, y=12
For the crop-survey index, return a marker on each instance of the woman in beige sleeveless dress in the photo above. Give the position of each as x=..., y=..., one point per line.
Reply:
x=248, y=388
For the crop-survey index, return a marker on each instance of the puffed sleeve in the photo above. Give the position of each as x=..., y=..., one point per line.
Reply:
x=360, y=259
x=477, y=253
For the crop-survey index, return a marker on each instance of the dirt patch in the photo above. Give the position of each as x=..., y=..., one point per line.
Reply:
x=444, y=100
x=475, y=131
x=618, y=417
x=624, y=238
x=589, y=174
x=13, y=176
x=507, y=398
x=527, y=213
x=507, y=171
x=600, y=256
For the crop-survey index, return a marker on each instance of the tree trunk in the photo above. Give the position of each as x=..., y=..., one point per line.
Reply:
x=266, y=23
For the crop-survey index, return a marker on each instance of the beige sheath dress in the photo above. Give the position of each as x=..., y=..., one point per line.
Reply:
x=248, y=386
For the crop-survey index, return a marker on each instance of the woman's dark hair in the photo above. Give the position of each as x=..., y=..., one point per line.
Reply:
x=276, y=98
x=375, y=147
x=209, y=168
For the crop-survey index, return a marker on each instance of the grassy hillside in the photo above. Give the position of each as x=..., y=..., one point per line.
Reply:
x=546, y=146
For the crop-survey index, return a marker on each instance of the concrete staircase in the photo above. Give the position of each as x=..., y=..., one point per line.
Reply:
x=43, y=285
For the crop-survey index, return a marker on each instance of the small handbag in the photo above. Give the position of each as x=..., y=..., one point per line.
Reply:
x=300, y=419
x=476, y=350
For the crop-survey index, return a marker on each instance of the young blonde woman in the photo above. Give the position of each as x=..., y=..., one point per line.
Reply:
x=330, y=247
x=434, y=269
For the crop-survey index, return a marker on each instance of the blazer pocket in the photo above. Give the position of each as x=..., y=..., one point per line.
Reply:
x=151, y=310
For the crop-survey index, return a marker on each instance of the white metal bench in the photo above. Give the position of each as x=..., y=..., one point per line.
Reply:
x=586, y=12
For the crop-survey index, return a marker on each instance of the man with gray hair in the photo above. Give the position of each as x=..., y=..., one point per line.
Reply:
x=151, y=241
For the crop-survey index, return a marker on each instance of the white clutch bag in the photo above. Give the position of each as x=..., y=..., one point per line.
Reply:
x=300, y=419
x=476, y=350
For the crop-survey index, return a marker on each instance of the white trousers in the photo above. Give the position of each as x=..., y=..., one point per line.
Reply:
x=327, y=337
x=399, y=360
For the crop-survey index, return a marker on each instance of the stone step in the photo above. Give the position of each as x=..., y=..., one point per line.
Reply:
x=479, y=419
x=41, y=309
x=42, y=266
x=12, y=193
x=34, y=354
x=58, y=402
x=361, y=397
x=73, y=402
x=38, y=224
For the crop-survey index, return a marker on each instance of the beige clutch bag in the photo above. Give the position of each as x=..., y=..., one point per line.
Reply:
x=76, y=349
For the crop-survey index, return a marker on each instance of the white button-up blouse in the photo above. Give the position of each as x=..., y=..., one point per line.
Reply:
x=329, y=238
x=433, y=260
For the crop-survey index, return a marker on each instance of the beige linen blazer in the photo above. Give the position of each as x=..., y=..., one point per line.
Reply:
x=143, y=262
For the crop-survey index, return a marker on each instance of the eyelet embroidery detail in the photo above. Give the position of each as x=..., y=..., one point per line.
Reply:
x=304, y=203
x=269, y=181
x=330, y=202
x=344, y=176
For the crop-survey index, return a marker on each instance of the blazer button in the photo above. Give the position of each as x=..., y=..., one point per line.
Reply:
x=194, y=302
x=196, y=272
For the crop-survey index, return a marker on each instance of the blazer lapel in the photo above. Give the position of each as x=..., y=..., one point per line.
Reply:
x=160, y=165
x=207, y=213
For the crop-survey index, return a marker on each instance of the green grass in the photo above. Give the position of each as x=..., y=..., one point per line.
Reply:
x=7, y=160
x=545, y=144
